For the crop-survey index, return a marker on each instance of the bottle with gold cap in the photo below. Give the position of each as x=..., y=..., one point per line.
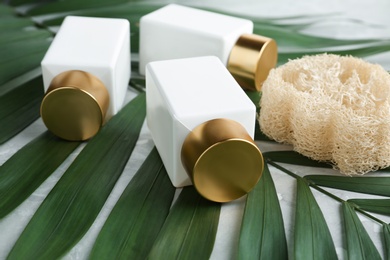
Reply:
x=85, y=72
x=202, y=124
x=176, y=31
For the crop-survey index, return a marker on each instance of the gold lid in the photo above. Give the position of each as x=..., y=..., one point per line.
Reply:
x=222, y=160
x=251, y=59
x=75, y=105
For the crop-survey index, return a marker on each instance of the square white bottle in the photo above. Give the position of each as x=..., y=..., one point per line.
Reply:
x=85, y=72
x=203, y=124
x=176, y=31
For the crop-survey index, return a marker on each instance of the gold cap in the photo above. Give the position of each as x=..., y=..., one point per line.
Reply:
x=251, y=59
x=75, y=105
x=222, y=160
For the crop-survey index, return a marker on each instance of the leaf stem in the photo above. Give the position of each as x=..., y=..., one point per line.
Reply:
x=312, y=184
x=282, y=168
x=367, y=214
x=137, y=87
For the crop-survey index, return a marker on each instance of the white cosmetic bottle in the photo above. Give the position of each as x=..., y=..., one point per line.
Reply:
x=202, y=124
x=85, y=72
x=175, y=31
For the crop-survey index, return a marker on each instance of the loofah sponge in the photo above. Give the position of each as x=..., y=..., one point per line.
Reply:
x=330, y=108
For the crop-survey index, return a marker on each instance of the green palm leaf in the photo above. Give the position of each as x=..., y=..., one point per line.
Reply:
x=130, y=11
x=368, y=185
x=255, y=98
x=357, y=51
x=286, y=37
x=259, y=135
x=262, y=233
x=6, y=10
x=70, y=5
x=189, y=230
x=20, y=2
x=359, y=243
x=138, y=216
x=23, y=2
x=386, y=232
x=21, y=57
x=10, y=23
x=292, y=157
x=41, y=156
x=381, y=206
x=19, y=108
x=72, y=206
x=23, y=35
x=19, y=49
x=312, y=236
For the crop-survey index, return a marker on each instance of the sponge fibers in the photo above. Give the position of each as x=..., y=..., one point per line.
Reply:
x=330, y=108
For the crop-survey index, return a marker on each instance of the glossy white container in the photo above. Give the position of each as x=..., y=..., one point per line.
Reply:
x=182, y=94
x=100, y=47
x=176, y=31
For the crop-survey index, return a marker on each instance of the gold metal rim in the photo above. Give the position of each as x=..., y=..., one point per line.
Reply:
x=222, y=160
x=267, y=60
x=251, y=59
x=75, y=105
x=236, y=174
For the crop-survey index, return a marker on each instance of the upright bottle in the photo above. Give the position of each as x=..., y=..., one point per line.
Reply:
x=202, y=124
x=85, y=72
x=176, y=31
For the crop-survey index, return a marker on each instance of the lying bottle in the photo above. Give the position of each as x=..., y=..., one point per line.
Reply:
x=85, y=72
x=202, y=124
x=176, y=31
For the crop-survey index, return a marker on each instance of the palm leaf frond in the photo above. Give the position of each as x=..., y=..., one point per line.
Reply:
x=292, y=157
x=139, y=214
x=262, y=233
x=70, y=5
x=189, y=230
x=312, y=236
x=72, y=206
x=381, y=206
x=19, y=108
x=41, y=156
x=368, y=185
x=386, y=232
x=359, y=243
x=19, y=57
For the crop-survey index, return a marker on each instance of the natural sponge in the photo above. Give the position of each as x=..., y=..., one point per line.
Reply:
x=330, y=108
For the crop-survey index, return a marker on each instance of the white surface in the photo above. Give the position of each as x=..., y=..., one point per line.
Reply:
x=99, y=46
x=184, y=93
x=375, y=22
x=176, y=31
